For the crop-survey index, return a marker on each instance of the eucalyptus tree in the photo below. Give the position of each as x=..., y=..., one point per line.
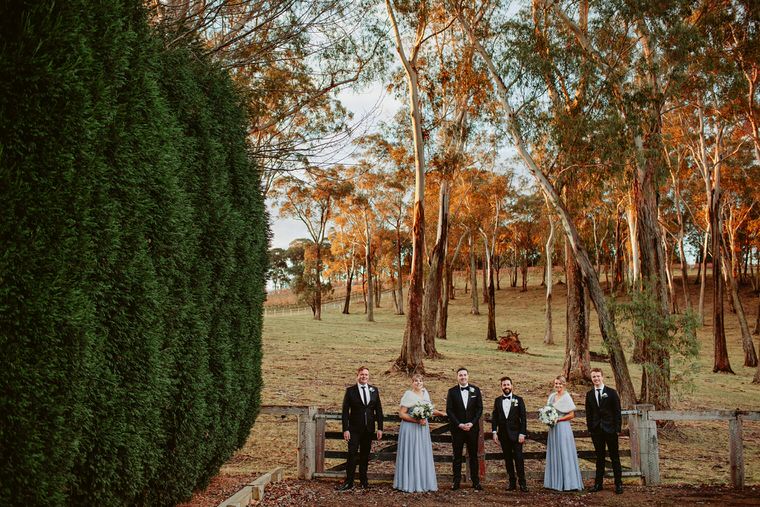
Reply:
x=310, y=197
x=278, y=267
x=343, y=244
x=389, y=154
x=413, y=25
x=567, y=79
x=482, y=22
x=360, y=207
x=455, y=94
x=292, y=57
x=571, y=127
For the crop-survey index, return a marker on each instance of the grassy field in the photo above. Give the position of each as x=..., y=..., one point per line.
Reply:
x=308, y=362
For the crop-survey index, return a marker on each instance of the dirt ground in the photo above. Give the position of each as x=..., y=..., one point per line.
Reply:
x=322, y=493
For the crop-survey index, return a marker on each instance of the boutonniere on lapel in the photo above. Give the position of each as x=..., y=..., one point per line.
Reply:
x=603, y=395
x=514, y=402
x=372, y=390
x=472, y=389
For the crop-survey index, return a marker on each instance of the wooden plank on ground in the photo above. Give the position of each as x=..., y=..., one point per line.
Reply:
x=254, y=490
x=240, y=499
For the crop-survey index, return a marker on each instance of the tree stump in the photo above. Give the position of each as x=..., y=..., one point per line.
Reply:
x=511, y=343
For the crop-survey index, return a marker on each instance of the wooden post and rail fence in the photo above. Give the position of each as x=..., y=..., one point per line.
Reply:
x=641, y=435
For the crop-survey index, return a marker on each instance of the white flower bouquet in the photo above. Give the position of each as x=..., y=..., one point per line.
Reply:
x=421, y=410
x=548, y=415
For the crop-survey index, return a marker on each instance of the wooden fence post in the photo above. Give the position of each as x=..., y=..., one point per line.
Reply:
x=634, y=422
x=319, y=443
x=649, y=451
x=736, y=452
x=306, y=443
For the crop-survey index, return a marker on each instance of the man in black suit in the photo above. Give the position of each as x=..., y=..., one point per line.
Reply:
x=464, y=406
x=604, y=421
x=509, y=422
x=361, y=411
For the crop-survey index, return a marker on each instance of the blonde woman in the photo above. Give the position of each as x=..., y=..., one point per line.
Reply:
x=562, y=472
x=415, y=471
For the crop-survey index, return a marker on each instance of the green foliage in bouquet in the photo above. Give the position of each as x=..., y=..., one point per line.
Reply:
x=133, y=248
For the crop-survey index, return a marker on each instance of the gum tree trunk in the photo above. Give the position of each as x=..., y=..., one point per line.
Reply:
x=549, y=332
x=609, y=333
x=411, y=358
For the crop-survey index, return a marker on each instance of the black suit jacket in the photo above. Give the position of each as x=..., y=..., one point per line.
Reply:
x=513, y=425
x=606, y=416
x=357, y=416
x=455, y=407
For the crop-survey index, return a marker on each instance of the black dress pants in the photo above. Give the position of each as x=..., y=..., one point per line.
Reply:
x=459, y=439
x=513, y=459
x=601, y=440
x=359, y=443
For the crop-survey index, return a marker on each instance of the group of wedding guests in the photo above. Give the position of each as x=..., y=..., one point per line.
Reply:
x=362, y=417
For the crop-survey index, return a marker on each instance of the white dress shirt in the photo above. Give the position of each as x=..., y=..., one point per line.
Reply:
x=598, y=394
x=506, y=405
x=364, y=393
x=465, y=395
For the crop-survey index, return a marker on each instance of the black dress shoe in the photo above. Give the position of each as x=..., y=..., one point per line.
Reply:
x=512, y=487
x=364, y=485
x=618, y=489
x=455, y=486
x=524, y=489
x=345, y=486
x=597, y=487
x=477, y=487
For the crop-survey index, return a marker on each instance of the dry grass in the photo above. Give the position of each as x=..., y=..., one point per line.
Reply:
x=310, y=363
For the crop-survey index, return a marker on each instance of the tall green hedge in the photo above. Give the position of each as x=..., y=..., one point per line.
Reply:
x=133, y=246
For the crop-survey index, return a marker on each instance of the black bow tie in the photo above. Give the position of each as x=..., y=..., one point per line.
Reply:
x=508, y=397
x=463, y=388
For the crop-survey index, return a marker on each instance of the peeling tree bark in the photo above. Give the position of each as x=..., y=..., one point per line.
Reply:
x=349, y=283
x=368, y=269
x=410, y=359
x=577, y=366
x=474, y=310
x=549, y=332
x=435, y=274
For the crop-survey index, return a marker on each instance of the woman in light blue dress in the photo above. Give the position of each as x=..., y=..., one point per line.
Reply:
x=415, y=471
x=562, y=471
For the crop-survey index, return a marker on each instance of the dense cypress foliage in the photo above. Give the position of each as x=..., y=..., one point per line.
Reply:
x=133, y=248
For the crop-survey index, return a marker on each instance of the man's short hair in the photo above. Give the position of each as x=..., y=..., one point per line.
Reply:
x=462, y=368
x=360, y=368
x=597, y=370
x=502, y=379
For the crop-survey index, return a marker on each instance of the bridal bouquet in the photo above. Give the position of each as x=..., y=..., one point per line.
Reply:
x=548, y=415
x=421, y=410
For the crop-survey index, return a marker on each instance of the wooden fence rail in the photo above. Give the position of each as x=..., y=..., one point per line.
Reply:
x=641, y=435
x=735, y=438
